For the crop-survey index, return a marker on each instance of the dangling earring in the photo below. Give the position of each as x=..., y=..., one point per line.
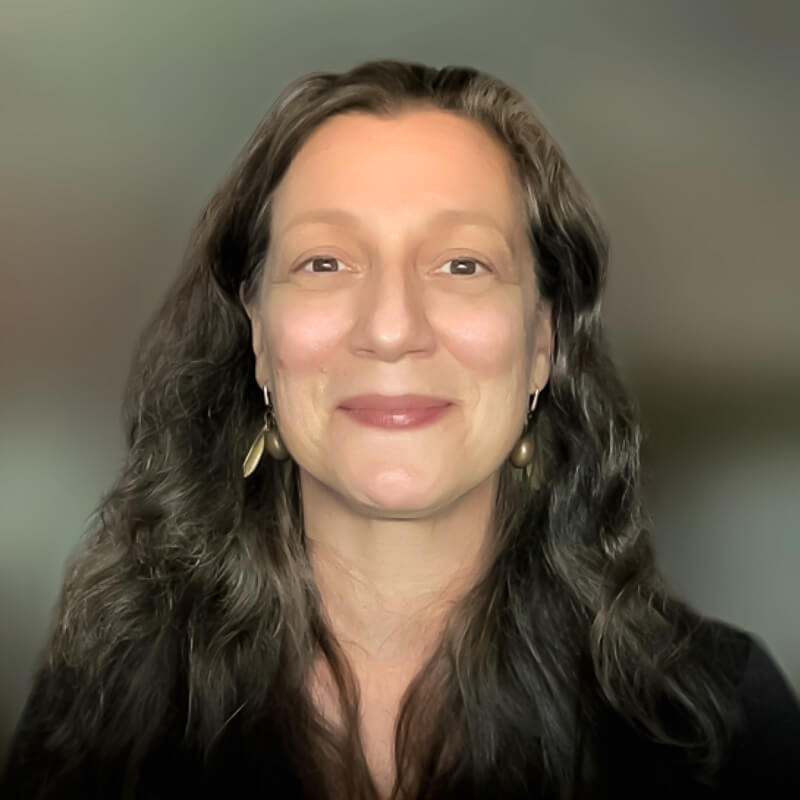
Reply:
x=267, y=437
x=522, y=453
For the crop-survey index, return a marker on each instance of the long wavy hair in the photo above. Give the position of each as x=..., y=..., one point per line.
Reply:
x=192, y=604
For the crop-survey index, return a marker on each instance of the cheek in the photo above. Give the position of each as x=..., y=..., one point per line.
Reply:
x=488, y=339
x=303, y=335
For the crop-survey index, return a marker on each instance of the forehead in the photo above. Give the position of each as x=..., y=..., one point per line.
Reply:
x=408, y=166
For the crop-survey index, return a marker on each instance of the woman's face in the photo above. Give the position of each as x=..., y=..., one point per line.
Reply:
x=399, y=264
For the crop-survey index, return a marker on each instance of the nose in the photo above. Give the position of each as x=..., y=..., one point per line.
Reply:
x=392, y=319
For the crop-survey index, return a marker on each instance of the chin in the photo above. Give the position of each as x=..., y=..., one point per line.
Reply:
x=401, y=495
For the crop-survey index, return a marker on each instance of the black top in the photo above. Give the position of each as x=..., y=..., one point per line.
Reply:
x=768, y=751
x=763, y=762
x=764, y=757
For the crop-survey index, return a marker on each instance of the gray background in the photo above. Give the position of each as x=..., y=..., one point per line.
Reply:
x=117, y=120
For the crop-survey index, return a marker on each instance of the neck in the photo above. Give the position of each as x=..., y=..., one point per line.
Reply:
x=387, y=584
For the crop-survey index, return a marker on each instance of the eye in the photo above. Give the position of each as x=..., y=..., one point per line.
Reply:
x=466, y=266
x=328, y=265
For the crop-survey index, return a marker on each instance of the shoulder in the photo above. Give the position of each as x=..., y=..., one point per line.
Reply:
x=765, y=750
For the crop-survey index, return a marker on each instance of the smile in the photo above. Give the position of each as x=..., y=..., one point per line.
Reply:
x=400, y=419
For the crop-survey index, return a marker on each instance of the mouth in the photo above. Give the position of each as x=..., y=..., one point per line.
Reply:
x=394, y=404
x=398, y=419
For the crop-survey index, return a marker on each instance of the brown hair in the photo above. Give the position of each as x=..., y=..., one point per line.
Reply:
x=196, y=585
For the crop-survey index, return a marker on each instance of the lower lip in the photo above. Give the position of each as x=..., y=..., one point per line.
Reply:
x=407, y=419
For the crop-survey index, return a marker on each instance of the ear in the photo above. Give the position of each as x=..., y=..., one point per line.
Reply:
x=543, y=347
x=256, y=336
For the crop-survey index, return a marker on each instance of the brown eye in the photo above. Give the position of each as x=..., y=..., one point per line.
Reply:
x=467, y=267
x=320, y=264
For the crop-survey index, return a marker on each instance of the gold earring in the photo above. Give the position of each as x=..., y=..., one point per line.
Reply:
x=522, y=452
x=269, y=438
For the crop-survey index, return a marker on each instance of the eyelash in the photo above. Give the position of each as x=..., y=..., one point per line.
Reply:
x=300, y=267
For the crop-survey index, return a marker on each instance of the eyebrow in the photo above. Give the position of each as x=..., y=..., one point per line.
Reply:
x=446, y=216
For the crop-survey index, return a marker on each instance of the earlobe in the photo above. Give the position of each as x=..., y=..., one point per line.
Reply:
x=541, y=371
x=258, y=351
x=256, y=341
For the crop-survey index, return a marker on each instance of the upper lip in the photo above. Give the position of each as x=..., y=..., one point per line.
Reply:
x=386, y=402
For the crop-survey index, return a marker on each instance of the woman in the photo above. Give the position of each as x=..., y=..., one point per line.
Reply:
x=425, y=574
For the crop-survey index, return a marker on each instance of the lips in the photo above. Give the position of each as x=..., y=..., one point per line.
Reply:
x=389, y=403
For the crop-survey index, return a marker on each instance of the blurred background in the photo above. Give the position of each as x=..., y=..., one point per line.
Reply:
x=682, y=119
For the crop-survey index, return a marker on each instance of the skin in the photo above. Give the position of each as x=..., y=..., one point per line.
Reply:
x=397, y=522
